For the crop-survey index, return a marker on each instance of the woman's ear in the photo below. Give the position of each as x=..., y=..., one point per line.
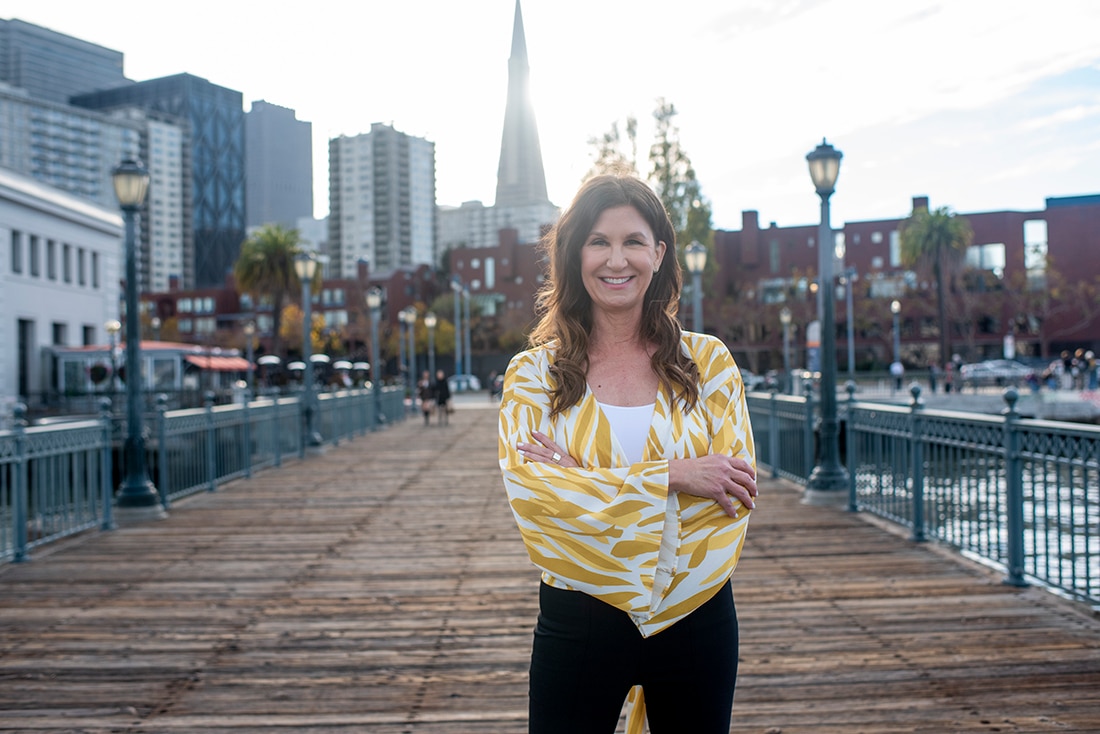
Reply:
x=661, y=247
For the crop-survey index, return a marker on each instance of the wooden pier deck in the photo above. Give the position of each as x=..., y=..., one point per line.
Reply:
x=382, y=587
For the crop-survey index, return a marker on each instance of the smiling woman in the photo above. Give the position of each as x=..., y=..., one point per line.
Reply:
x=628, y=460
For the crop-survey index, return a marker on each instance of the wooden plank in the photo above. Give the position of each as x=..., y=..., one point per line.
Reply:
x=382, y=587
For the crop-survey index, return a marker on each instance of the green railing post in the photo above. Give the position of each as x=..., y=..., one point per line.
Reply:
x=849, y=448
x=1014, y=491
x=211, y=443
x=916, y=447
x=276, y=435
x=808, y=450
x=20, y=509
x=246, y=450
x=106, y=464
x=773, y=433
x=162, y=450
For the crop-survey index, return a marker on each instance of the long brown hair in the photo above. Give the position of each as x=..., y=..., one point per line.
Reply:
x=565, y=307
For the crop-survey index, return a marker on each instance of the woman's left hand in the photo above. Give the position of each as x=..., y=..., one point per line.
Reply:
x=545, y=451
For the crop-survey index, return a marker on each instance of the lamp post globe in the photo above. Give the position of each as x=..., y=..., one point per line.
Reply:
x=696, y=259
x=305, y=267
x=131, y=182
x=374, y=304
x=829, y=479
x=155, y=324
x=431, y=321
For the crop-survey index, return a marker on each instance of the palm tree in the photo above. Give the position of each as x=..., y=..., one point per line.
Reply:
x=265, y=269
x=937, y=239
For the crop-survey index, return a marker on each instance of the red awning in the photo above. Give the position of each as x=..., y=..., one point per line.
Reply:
x=218, y=364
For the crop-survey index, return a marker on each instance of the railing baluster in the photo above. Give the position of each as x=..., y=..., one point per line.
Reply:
x=916, y=446
x=211, y=444
x=106, y=465
x=162, y=451
x=1014, y=491
x=19, y=514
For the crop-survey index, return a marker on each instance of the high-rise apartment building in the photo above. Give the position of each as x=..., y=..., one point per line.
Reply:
x=521, y=202
x=213, y=120
x=278, y=166
x=66, y=147
x=381, y=201
x=52, y=66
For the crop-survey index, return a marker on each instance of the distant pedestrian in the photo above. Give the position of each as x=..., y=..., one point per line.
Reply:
x=426, y=393
x=933, y=377
x=442, y=397
x=897, y=371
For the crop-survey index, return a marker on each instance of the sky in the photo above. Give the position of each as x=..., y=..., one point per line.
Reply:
x=978, y=105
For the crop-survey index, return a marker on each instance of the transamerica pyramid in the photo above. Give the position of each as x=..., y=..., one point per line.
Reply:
x=521, y=179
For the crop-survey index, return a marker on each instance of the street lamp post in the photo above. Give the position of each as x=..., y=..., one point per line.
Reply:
x=469, y=366
x=374, y=303
x=410, y=319
x=305, y=266
x=430, y=322
x=829, y=480
x=456, y=287
x=113, y=327
x=895, y=309
x=785, y=319
x=131, y=182
x=155, y=323
x=849, y=280
x=696, y=259
x=249, y=333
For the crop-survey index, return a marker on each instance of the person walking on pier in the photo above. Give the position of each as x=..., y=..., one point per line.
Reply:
x=442, y=393
x=629, y=464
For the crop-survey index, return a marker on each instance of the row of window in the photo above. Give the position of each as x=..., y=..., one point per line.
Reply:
x=55, y=260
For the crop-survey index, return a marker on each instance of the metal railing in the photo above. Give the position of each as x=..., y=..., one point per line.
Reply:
x=1019, y=493
x=58, y=480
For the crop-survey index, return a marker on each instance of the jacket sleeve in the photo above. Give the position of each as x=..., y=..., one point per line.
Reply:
x=596, y=529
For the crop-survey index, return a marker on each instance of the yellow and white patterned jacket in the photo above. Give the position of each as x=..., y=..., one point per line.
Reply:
x=611, y=529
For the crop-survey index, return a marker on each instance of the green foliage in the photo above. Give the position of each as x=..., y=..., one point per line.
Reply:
x=671, y=173
x=265, y=270
x=938, y=240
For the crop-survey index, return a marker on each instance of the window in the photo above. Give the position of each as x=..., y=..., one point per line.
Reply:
x=1035, y=253
x=183, y=305
x=67, y=263
x=35, y=257
x=95, y=270
x=60, y=334
x=987, y=257
x=81, y=274
x=16, y=251
x=88, y=336
x=895, y=249
x=51, y=259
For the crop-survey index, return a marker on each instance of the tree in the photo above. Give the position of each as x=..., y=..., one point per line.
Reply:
x=937, y=240
x=671, y=174
x=673, y=178
x=265, y=270
x=609, y=156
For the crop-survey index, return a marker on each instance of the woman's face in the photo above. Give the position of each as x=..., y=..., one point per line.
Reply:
x=618, y=260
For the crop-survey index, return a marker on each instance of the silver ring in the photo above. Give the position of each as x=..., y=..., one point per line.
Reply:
x=556, y=458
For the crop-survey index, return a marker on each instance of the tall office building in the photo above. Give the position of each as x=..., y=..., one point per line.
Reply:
x=66, y=147
x=521, y=202
x=52, y=66
x=381, y=201
x=213, y=117
x=278, y=166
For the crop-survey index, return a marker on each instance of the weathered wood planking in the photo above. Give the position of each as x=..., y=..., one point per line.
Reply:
x=382, y=588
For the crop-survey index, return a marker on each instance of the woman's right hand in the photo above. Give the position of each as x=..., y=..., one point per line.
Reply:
x=715, y=476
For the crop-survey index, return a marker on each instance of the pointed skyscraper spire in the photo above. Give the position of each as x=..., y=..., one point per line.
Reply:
x=520, y=175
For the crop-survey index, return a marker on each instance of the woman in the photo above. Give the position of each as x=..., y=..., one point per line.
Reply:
x=628, y=459
x=426, y=393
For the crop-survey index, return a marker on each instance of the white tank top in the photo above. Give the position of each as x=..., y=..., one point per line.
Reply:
x=630, y=424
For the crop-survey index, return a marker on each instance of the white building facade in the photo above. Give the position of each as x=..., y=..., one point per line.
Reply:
x=381, y=201
x=60, y=272
x=475, y=225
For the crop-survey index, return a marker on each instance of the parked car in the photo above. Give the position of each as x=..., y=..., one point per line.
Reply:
x=752, y=380
x=996, y=372
x=463, y=383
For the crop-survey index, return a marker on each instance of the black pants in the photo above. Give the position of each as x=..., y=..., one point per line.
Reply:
x=587, y=655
